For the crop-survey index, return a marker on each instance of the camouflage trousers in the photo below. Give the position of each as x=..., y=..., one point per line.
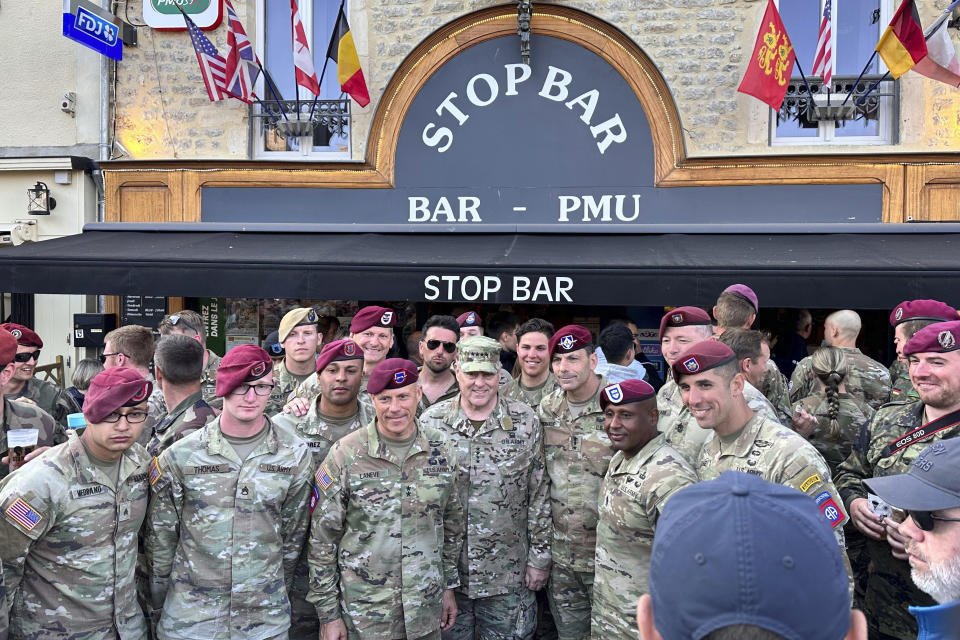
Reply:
x=890, y=590
x=571, y=594
x=511, y=616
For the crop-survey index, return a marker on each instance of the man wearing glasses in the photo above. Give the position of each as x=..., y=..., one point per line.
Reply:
x=228, y=515
x=896, y=436
x=132, y=347
x=45, y=394
x=930, y=495
x=438, y=350
x=68, y=526
x=190, y=323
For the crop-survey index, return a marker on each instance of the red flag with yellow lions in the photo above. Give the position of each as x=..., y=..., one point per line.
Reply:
x=770, y=66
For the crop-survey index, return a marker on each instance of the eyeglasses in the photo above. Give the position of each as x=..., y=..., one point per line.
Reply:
x=259, y=389
x=449, y=347
x=27, y=357
x=925, y=519
x=134, y=417
x=104, y=356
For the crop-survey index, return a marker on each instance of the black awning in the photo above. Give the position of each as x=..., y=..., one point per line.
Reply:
x=858, y=270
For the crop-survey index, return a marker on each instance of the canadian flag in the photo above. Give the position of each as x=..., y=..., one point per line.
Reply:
x=302, y=60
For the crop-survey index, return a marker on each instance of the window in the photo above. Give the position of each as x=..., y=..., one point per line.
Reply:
x=276, y=53
x=856, y=27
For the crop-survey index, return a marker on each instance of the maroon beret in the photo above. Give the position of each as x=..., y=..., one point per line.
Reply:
x=939, y=337
x=570, y=338
x=469, y=319
x=626, y=392
x=25, y=336
x=114, y=388
x=345, y=349
x=744, y=292
x=922, y=310
x=8, y=347
x=245, y=363
x=682, y=317
x=392, y=373
x=701, y=357
x=373, y=317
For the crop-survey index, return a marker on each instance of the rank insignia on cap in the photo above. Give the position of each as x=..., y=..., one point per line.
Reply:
x=350, y=349
x=16, y=333
x=154, y=472
x=614, y=393
x=946, y=339
x=399, y=377
x=258, y=369
x=567, y=342
x=899, y=314
x=677, y=317
x=23, y=514
x=691, y=365
x=386, y=317
x=472, y=318
x=142, y=394
x=323, y=478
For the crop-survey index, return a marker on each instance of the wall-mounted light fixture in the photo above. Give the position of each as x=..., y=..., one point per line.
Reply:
x=39, y=202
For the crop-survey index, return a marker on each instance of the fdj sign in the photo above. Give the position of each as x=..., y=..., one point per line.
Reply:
x=488, y=288
x=93, y=27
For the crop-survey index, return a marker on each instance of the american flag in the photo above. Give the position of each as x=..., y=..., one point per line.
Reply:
x=823, y=60
x=213, y=68
x=242, y=68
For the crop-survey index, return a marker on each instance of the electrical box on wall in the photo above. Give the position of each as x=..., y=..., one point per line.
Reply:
x=90, y=328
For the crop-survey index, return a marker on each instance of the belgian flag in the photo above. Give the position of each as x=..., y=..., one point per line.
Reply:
x=903, y=45
x=344, y=53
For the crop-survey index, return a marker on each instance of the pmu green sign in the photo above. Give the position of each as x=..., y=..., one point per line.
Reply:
x=165, y=14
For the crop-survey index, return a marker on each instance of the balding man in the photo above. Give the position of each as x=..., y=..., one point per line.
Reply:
x=867, y=379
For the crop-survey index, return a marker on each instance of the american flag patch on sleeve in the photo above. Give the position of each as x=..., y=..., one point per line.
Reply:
x=323, y=478
x=154, y=473
x=23, y=514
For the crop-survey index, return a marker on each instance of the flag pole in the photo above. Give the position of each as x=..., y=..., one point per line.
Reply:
x=805, y=83
x=326, y=59
x=273, y=90
x=857, y=81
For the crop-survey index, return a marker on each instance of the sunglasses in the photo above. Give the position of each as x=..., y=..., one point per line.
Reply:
x=449, y=347
x=925, y=519
x=27, y=357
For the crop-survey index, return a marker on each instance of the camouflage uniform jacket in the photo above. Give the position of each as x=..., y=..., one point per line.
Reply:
x=889, y=588
x=4, y=622
x=503, y=487
x=223, y=536
x=188, y=416
x=776, y=388
x=866, y=379
x=319, y=434
x=451, y=391
x=386, y=534
x=631, y=499
x=49, y=397
x=208, y=383
x=532, y=397
x=577, y=452
x=853, y=415
x=284, y=385
x=901, y=388
x=68, y=539
x=18, y=415
x=776, y=454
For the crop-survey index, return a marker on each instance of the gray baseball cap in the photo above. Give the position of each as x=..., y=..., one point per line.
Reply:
x=931, y=484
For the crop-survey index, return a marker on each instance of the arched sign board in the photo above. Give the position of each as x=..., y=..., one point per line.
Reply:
x=490, y=143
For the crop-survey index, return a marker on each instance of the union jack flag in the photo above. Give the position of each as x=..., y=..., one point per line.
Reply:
x=242, y=66
x=213, y=68
x=823, y=60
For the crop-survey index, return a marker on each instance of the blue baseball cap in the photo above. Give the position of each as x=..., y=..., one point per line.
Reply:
x=931, y=484
x=741, y=550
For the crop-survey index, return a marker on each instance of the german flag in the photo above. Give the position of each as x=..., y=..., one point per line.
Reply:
x=902, y=45
x=344, y=53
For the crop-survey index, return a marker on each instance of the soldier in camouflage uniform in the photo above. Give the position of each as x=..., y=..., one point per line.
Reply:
x=23, y=386
x=4, y=621
x=535, y=381
x=178, y=363
x=643, y=473
x=867, y=379
x=299, y=336
x=190, y=323
x=577, y=453
x=898, y=433
x=712, y=388
x=228, y=516
x=132, y=346
x=334, y=413
x=503, y=487
x=438, y=348
x=387, y=527
x=907, y=318
x=68, y=530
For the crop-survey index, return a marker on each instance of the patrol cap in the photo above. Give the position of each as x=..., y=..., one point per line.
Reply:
x=345, y=349
x=300, y=317
x=469, y=319
x=701, y=357
x=25, y=336
x=478, y=353
x=626, y=392
x=940, y=337
x=931, y=484
x=114, y=388
x=570, y=338
x=741, y=550
x=245, y=363
x=745, y=292
x=922, y=310
x=272, y=345
x=372, y=317
x=684, y=317
x=392, y=373
x=8, y=347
